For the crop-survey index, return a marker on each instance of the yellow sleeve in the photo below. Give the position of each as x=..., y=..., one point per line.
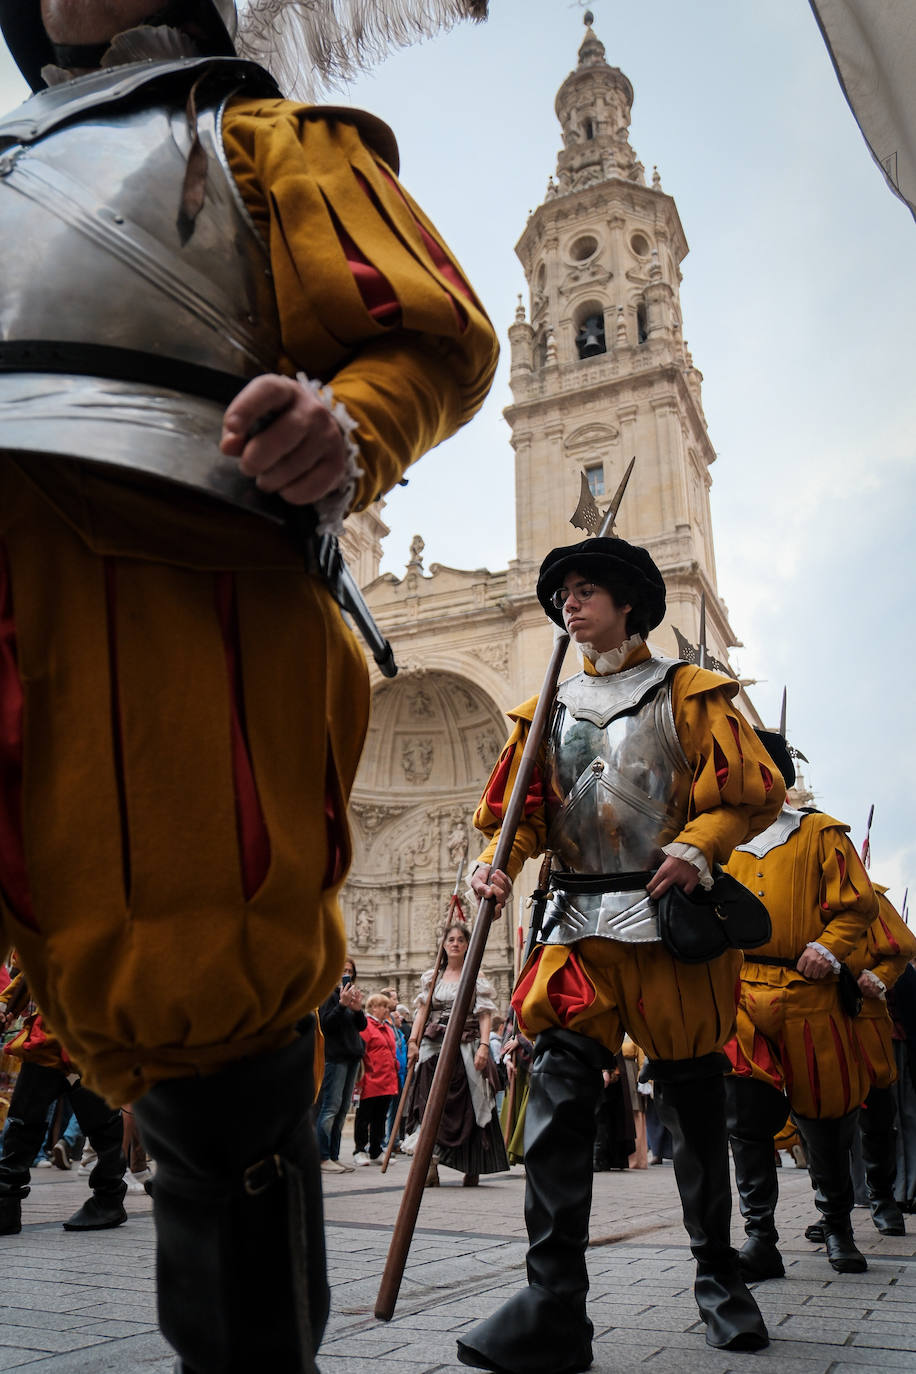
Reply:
x=847, y=901
x=321, y=197
x=736, y=790
x=891, y=943
x=531, y=834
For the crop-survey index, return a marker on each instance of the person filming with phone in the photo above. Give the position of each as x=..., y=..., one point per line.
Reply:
x=342, y=1018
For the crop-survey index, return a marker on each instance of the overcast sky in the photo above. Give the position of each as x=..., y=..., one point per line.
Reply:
x=799, y=297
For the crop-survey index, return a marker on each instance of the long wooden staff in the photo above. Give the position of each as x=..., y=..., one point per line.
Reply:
x=429, y=1128
x=423, y=1016
x=537, y=904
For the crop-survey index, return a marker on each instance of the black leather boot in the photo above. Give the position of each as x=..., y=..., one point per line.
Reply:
x=878, y=1131
x=545, y=1329
x=237, y=1203
x=36, y=1088
x=10, y=1216
x=690, y=1099
x=755, y=1113
x=103, y=1128
x=827, y=1145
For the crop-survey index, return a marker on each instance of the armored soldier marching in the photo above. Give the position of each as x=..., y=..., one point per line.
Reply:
x=216, y=306
x=649, y=777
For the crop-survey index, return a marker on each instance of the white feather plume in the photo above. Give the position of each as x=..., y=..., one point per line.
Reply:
x=313, y=45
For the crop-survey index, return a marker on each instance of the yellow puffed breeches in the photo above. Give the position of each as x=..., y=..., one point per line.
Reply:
x=179, y=743
x=603, y=989
x=875, y=1034
x=792, y=1034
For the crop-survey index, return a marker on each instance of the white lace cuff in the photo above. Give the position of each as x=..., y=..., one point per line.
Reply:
x=873, y=978
x=332, y=508
x=694, y=856
x=822, y=949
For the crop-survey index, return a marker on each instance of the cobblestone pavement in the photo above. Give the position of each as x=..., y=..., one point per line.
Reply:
x=84, y=1303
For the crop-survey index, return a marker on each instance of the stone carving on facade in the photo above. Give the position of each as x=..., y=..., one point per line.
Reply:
x=497, y=656
x=417, y=758
x=592, y=273
x=463, y=696
x=457, y=839
x=416, y=853
x=420, y=703
x=364, y=924
x=417, y=545
x=487, y=746
x=372, y=815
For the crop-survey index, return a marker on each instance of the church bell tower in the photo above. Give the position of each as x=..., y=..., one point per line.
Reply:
x=600, y=370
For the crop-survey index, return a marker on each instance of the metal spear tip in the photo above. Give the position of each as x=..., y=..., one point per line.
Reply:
x=610, y=516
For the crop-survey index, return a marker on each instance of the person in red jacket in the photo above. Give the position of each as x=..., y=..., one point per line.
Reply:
x=379, y=1085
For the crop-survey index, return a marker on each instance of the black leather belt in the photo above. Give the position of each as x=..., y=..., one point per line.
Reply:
x=599, y=882
x=119, y=365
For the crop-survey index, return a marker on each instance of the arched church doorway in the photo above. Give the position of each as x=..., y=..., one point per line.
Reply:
x=433, y=738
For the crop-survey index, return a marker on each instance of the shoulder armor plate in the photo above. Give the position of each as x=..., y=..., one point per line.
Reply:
x=600, y=699
x=48, y=109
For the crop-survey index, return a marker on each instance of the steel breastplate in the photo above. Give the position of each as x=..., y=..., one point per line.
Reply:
x=617, y=785
x=95, y=265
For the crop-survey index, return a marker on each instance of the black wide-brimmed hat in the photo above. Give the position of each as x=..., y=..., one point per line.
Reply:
x=607, y=560
x=777, y=747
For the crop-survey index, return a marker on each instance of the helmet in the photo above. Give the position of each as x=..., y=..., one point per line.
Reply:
x=20, y=22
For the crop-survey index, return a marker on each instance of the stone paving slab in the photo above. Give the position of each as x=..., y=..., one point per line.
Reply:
x=85, y=1304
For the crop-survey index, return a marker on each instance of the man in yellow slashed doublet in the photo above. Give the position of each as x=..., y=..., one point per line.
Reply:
x=877, y=962
x=649, y=776
x=259, y=310
x=796, y=1047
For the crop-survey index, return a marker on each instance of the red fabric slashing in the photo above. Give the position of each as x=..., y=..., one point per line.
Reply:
x=813, y=1076
x=569, y=991
x=13, y=873
x=737, y=1058
x=495, y=795
x=254, y=842
x=375, y=289
x=842, y=1062
x=765, y=1059
x=443, y=262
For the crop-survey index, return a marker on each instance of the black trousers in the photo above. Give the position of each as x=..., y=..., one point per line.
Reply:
x=369, y=1126
x=37, y=1089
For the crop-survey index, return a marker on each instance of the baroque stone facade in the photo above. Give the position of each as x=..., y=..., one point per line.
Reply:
x=600, y=371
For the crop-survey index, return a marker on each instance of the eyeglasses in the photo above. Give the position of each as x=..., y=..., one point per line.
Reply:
x=583, y=591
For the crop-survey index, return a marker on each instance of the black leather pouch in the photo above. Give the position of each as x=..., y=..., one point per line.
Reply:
x=703, y=925
x=848, y=992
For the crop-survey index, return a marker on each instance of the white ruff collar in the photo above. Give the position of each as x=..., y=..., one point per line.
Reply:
x=611, y=661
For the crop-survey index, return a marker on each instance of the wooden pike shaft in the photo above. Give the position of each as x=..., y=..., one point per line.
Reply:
x=413, y=1190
